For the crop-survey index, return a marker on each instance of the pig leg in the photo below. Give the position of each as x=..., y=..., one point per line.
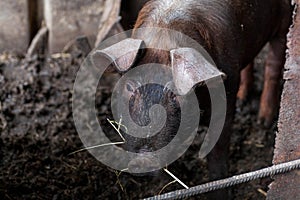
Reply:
x=218, y=158
x=273, y=71
x=246, y=82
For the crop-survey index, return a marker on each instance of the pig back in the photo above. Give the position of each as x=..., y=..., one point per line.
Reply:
x=232, y=31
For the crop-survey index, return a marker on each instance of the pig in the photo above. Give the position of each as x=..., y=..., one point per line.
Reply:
x=233, y=32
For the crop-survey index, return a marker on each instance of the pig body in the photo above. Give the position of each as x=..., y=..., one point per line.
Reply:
x=232, y=32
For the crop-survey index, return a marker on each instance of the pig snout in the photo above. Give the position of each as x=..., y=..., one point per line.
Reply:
x=142, y=102
x=144, y=98
x=146, y=104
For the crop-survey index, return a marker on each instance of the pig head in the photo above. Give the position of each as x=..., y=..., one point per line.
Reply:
x=188, y=68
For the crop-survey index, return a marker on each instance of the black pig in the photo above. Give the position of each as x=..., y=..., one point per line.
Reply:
x=232, y=32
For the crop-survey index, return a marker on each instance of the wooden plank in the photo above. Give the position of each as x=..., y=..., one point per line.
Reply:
x=287, y=147
x=67, y=20
x=14, y=23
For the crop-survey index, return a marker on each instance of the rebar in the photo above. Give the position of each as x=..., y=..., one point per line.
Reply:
x=228, y=182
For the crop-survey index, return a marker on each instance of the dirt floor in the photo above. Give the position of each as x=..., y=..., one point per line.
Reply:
x=37, y=134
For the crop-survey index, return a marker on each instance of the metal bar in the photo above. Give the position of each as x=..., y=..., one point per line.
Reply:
x=228, y=182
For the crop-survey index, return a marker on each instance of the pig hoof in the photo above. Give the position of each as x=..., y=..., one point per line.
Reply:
x=264, y=122
x=240, y=103
x=266, y=115
x=242, y=94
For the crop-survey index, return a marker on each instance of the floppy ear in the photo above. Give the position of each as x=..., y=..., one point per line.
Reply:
x=189, y=68
x=121, y=55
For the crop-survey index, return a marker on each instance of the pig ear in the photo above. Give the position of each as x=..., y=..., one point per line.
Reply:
x=189, y=68
x=122, y=55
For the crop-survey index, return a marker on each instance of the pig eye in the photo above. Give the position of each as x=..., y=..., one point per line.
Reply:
x=132, y=85
x=169, y=87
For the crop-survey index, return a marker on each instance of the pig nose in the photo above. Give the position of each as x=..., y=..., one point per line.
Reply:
x=143, y=164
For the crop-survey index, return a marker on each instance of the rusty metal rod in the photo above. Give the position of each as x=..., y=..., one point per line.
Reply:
x=228, y=182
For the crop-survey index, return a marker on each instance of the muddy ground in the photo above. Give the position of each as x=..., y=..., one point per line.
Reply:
x=38, y=134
